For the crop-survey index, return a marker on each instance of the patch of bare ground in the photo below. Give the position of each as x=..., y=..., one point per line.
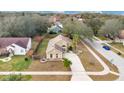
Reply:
x=89, y=62
x=47, y=66
x=51, y=78
x=107, y=77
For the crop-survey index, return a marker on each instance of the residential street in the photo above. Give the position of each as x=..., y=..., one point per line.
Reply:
x=110, y=55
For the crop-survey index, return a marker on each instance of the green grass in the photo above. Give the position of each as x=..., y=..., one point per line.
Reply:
x=102, y=38
x=15, y=77
x=17, y=63
x=21, y=65
x=119, y=46
x=43, y=46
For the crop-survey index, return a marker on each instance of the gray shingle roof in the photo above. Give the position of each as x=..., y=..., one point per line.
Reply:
x=4, y=42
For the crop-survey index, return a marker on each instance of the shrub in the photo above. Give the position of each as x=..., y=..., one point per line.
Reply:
x=70, y=48
x=67, y=63
x=119, y=53
x=26, y=59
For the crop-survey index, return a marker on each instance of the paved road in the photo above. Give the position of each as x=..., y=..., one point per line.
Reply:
x=77, y=67
x=110, y=55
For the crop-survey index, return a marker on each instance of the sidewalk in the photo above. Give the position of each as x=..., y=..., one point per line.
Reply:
x=77, y=67
x=110, y=55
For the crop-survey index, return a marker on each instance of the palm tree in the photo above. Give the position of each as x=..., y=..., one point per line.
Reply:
x=67, y=62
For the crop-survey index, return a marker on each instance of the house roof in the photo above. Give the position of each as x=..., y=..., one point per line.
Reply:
x=52, y=43
x=58, y=38
x=4, y=42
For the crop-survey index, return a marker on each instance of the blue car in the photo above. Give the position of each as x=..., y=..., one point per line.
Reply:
x=106, y=47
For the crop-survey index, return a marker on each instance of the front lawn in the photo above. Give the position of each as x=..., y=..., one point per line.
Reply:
x=119, y=46
x=36, y=65
x=21, y=64
x=17, y=63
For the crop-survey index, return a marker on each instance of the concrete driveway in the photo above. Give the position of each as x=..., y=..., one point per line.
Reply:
x=77, y=67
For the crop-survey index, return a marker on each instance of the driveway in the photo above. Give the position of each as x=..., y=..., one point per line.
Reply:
x=110, y=55
x=77, y=67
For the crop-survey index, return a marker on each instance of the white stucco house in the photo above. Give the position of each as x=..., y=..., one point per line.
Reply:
x=57, y=47
x=16, y=46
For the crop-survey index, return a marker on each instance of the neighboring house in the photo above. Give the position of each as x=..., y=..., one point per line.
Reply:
x=57, y=27
x=16, y=46
x=56, y=24
x=57, y=47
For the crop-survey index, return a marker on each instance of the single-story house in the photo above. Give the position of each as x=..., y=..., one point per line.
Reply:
x=16, y=45
x=57, y=47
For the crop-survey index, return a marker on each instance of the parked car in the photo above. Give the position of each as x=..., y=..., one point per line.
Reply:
x=106, y=47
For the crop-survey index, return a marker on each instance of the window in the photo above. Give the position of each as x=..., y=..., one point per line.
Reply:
x=56, y=55
x=21, y=51
x=51, y=55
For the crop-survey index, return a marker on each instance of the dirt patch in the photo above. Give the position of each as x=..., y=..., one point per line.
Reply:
x=48, y=66
x=107, y=77
x=89, y=62
x=51, y=78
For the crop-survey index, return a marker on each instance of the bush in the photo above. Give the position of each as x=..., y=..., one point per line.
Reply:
x=51, y=32
x=70, y=48
x=26, y=59
x=119, y=53
x=67, y=63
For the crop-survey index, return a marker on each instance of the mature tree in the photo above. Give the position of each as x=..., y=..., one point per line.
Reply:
x=75, y=41
x=95, y=24
x=27, y=25
x=75, y=27
x=111, y=27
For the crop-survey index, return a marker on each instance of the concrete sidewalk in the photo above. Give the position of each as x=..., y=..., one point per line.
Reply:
x=77, y=67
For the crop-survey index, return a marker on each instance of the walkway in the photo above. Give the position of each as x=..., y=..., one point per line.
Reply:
x=77, y=67
x=109, y=55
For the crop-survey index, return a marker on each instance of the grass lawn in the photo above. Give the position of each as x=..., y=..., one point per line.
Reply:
x=119, y=46
x=15, y=78
x=17, y=63
x=87, y=59
x=102, y=38
x=43, y=45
